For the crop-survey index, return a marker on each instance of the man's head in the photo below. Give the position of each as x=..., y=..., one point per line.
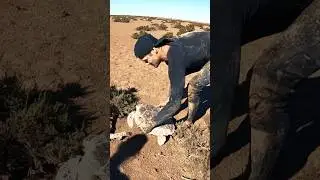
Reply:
x=151, y=50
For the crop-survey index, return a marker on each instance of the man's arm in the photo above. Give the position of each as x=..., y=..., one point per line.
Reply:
x=177, y=81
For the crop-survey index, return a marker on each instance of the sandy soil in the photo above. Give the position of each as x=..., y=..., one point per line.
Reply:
x=56, y=42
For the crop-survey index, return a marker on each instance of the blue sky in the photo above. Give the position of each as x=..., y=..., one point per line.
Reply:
x=192, y=10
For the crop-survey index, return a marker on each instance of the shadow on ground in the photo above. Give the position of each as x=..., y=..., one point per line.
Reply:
x=40, y=128
x=126, y=150
x=302, y=140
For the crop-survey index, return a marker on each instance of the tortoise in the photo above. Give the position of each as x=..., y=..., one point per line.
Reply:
x=143, y=117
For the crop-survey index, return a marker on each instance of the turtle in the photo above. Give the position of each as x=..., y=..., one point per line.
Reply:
x=143, y=117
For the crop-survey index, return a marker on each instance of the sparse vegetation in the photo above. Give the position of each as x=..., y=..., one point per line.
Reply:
x=168, y=35
x=149, y=18
x=207, y=29
x=190, y=27
x=185, y=29
x=39, y=129
x=122, y=19
x=136, y=35
x=177, y=25
x=145, y=28
x=161, y=26
x=123, y=100
x=199, y=25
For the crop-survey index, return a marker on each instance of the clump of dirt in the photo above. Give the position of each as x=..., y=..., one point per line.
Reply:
x=39, y=129
x=194, y=143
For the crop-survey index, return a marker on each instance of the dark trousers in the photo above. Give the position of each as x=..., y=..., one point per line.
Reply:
x=295, y=56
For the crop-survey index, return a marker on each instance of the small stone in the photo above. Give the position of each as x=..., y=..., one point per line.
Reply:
x=164, y=130
x=161, y=140
x=130, y=119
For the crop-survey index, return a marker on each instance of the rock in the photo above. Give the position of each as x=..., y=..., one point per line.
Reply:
x=164, y=130
x=131, y=119
x=91, y=165
x=119, y=136
x=161, y=140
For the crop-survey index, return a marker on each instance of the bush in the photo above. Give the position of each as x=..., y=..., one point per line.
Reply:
x=145, y=28
x=122, y=19
x=162, y=26
x=168, y=35
x=198, y=24
x=46, y=125
x=185, y=29
x=178, y=25
x=149, y=18
x=123, y=101
x=190, y=27
x=137, y=35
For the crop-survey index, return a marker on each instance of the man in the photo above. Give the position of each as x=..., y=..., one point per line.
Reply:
x=295, y=56
x=183, y=55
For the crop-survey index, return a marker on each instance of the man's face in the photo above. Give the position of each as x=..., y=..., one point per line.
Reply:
x=153, y=58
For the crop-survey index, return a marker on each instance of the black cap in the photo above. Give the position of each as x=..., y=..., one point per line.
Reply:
x=145, y=44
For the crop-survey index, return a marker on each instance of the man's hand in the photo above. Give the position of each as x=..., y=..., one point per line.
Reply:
x=162, y=104
x=155, y=124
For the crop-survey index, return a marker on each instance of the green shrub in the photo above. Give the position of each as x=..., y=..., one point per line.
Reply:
x=168, y=35
x=122, y=19
x=145, y=28
x=47, y=124
x=162, y=26
x=178, y=25
x=123, y=101
x=190, y=27
x=137, y=35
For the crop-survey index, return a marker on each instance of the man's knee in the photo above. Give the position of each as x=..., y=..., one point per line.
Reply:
x=194, y=89
x=267, y=104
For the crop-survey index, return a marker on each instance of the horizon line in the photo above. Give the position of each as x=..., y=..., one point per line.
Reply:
x=193, y=21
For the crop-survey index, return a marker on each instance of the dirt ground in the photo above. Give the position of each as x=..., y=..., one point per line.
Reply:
x=56, y=42
x=151, y=161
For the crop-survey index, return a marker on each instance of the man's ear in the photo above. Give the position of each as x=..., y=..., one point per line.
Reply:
x=145, y=58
